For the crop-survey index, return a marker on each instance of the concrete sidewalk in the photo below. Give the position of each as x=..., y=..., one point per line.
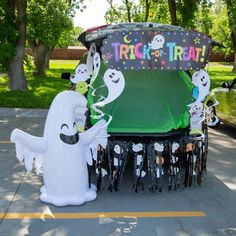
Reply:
x=23, y=112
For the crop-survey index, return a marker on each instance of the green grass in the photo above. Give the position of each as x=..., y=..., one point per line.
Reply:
x=42, y=90
x=220, y=72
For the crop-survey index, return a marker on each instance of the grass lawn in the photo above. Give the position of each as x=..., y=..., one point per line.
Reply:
x=42, y=90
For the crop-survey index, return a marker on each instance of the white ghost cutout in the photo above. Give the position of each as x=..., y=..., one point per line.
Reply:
x=90, y=57
x=201, y=80
x=62, y=153
x=157, y=42
x=137, y=147
x=115, y=83
x=174, y=147
x=159, y=147
x=196, y=115
x=81, y=74
x=96, y=66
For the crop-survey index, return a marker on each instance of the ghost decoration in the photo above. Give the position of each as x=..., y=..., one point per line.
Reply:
x=139, y=162
x=196, y=117
x=201, y=81
x=115, y=82
x=81, y=74
x=90, y=57
x=157, y=42
x=174, y=168
x=159, y=148
x=96, y=66
x=62, y=153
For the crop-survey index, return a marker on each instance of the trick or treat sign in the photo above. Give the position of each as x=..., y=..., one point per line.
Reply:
x=162, y=50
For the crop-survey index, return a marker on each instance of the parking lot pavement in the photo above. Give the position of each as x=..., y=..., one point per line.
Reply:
x=206, y=210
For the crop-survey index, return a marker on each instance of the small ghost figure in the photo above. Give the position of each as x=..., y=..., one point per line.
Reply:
x=157, y=42
x=201, y=80
x=159, y=148
x=196, y=117
x=81, y=74
x=139, y=173
x=174, y=168
x=62, y=153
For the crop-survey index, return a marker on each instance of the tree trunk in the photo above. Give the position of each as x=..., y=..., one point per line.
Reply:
x=128, y=10
x=40, y=52
x=232, y=21
x=233, y=36
x=172, y=10
x=47, y=58
x=17, y=80
x=147, y=10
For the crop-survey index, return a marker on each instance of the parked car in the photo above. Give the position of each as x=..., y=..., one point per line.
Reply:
x=226, y=109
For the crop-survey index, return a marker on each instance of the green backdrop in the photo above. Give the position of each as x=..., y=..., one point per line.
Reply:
x=152, y=102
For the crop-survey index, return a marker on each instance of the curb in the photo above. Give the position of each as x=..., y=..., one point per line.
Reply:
x=23, y=112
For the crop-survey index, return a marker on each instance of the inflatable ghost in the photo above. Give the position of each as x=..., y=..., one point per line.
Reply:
x=62, y=153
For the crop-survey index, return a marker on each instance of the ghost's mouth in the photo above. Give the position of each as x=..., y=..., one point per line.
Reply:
x=116, y=81
x=204, y=84
x=70, y=139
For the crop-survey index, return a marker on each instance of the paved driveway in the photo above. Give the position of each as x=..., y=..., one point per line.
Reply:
x=206, y=210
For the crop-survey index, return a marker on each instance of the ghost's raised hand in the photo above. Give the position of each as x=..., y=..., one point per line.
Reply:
x=29, y=147
x=96, y=135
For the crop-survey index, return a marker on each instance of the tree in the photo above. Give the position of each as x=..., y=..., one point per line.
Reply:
x=141, y=11
x=70, y=38
x=47, y=20
x=231, y=10
x=12, y=41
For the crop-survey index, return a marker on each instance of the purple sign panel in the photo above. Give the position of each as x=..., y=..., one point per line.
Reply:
x=162, y=50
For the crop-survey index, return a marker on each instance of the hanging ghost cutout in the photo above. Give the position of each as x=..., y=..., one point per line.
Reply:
x=115, y=83
x=62, y=153
x=96, y=67
x=90, y=57
x=201, y=80
x=81, y=74
x=196, y=116
x=159, y=147
x=175, y=147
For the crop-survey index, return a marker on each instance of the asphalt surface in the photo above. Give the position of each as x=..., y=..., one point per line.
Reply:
x=215, y=199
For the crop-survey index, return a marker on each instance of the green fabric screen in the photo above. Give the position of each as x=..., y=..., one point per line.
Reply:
x=152, y=102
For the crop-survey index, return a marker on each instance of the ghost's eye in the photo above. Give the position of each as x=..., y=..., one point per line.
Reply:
x=74, y=124
x=64, y=125
x=111, y=76
x=92, y=54
x=113, y=73
x=79, y=70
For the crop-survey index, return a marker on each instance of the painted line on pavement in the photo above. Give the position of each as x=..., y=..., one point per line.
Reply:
x=5, y=142
x=94, y=215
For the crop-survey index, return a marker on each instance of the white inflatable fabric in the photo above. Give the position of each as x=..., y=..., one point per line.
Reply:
x=62, y=153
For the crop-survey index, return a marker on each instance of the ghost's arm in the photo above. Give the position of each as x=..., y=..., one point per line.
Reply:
x=97, y=132
x=29, y=148
x=92, y=137
x=33, y=143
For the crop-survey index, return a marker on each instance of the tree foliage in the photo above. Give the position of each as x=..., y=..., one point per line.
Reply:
x=8, y=35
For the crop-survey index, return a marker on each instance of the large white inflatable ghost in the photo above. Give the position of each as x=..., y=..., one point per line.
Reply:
x=201, y=80
x=62, y=153
x=157, y=42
